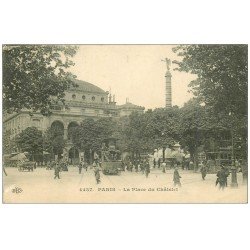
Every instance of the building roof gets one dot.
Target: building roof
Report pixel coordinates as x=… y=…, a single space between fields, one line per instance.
x=86 y=87
x=130 y=105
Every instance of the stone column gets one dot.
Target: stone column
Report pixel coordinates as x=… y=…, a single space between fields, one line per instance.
x=168 y=90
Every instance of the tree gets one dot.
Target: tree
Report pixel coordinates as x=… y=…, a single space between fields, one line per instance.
x=53 y=140
x=221 y=85
x=163 y=126
x=9 y=144
x=35 y=76
x=191 y=132
x=154 y=129
x=222 y=75
x=91 y=134
x=30 y=140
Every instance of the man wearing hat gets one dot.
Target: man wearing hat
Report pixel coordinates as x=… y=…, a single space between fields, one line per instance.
x=57 y=170
x=177 y=177
x=97 y=174
x=147 y=168
x=203 y=170
x=222 y=177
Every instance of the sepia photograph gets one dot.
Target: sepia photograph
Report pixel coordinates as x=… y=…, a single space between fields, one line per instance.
x=156 y=123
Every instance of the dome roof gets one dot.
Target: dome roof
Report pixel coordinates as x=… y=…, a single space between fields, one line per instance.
x=86 y=87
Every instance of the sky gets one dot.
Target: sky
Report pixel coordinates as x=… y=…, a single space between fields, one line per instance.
x=132 y=71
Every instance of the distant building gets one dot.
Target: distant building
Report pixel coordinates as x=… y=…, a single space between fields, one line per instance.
x=127 y=108
x=84 y=101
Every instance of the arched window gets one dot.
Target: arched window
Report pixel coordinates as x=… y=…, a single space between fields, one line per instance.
x=73 y=96
x=83 y=97
x=93 y=98
x=102 y=99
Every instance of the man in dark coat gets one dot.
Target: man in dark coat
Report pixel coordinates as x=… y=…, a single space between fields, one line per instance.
x=147 y=168
x=164 y=165
x=203 y=170
x=97 y=174
x=159 y=163
x=142 y=167
x=177 y=177
x=80 y=166
x=122 y=166
x=222 y=177
x=57 y=170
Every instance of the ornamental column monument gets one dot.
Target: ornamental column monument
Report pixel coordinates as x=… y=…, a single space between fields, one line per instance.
x=168 y=93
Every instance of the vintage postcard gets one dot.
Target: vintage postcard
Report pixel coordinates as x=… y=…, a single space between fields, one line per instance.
x=125 y=123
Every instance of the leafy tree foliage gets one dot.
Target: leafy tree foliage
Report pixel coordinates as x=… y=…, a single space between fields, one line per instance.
x=221 y=85
x=9 y=145
x=138 y=133
x=35 y=76
x=91 y=134
x=144 y=132
x=30 y=140
x=221 y=75
x=202 y=127
x=53 y=140
x=192 y=121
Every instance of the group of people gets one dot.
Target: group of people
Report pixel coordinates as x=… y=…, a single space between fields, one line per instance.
x=58 y=166
x=222 y=175
x=173 y=163
x=137 y=165
x=143 y=166
x=96 y=167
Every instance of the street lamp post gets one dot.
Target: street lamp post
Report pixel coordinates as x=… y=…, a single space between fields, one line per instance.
x=234 y=183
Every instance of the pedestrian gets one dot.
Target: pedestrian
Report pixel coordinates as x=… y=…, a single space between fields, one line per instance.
x=97 y=174
x=222 y=177
x=164 y=166
x=237 y=165
x=159 y=163
x=226 y=172
x=122 y=166
x=177 y=177
x=191 y=165
x=130 y=166
x=203 y=170
x=172 y=164
x=142 y=167
x=4 y=171
x=57 y=170
x=85 y=165
x=63 y=165
x=147 y=168
x=136 y=167
x=80 y=166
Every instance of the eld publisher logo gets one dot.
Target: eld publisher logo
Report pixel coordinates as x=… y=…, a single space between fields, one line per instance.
x=17 y=190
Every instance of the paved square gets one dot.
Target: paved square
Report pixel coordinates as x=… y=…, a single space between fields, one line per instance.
x=129 y=187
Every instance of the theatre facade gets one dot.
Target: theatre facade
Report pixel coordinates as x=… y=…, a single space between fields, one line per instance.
x=84 y=101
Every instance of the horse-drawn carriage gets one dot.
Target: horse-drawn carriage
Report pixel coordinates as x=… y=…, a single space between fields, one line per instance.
x=111 y=158
x=111 y=167
x=26 y=166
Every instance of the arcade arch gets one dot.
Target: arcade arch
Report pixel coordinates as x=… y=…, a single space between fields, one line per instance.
x=71 y=125
x=58 y=127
